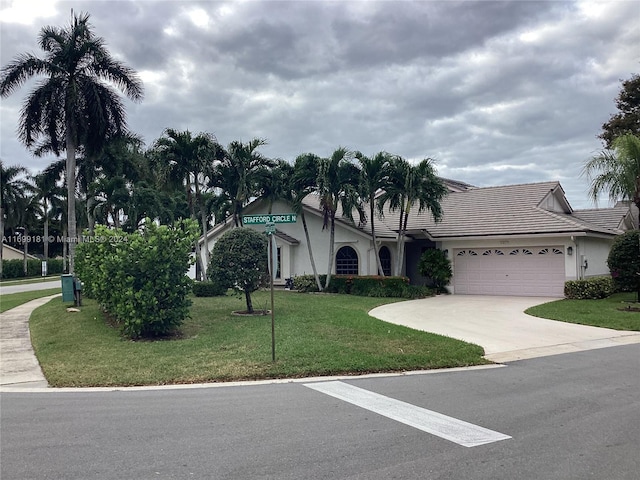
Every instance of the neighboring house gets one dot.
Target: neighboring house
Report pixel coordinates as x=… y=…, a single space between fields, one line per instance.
x=10 y=253
x=507 y=240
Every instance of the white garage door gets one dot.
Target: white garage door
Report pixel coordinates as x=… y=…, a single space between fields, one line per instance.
x=526 y=271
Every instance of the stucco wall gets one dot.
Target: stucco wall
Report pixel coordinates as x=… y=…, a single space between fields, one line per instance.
x=595 y=251
x=295 y=258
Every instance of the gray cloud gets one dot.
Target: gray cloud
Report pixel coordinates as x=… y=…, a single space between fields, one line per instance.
x=497 y=92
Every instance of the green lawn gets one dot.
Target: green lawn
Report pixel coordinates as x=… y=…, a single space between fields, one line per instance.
x=599 y=313
x=315 y=335
x=12 y=300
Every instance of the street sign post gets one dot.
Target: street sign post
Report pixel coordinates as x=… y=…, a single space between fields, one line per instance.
x=269 y=221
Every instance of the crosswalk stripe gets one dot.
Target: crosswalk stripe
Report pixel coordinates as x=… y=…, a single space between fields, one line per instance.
x=449 y=428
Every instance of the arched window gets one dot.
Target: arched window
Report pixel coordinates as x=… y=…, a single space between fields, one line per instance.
x=385 y=260
x=346 y=261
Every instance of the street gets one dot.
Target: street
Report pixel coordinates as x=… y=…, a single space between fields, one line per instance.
x=572 y=416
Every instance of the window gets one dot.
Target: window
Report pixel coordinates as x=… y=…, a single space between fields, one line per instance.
x=346 y=261
x=385 y=260
x=279 y=263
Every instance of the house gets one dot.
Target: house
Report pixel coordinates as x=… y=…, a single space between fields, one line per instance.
x=11 y=253
x=507 y=240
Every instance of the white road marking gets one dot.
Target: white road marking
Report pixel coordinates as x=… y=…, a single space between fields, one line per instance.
x=449 y=428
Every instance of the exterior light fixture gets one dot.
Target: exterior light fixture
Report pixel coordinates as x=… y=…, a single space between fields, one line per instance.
x=569 y=250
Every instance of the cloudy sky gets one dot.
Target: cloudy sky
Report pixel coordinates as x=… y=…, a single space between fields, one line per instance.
x=496 y=92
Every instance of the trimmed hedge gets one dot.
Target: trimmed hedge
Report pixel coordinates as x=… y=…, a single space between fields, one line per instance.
x=208 y=289
x=365 y=286
x=140 y=278
x=15 y=268
x=624 y=261
x=589 y=288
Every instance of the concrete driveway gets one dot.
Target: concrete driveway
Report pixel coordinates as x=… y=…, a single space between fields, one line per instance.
x=500 y=326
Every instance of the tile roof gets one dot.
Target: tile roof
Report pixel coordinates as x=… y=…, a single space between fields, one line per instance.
x=610 y=218
x=502 y=210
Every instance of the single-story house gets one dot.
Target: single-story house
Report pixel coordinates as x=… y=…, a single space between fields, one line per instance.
x=11 y=253
x=506 y=240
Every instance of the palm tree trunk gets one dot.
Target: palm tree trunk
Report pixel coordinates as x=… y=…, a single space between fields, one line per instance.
x=46 y=231
x=91 y=219
x=203 y=217
x=313 y=262
x=65 y=249
x=25 y=248
x=399 y=243
x=331 y=249
x=373 y=234
x=71 y=194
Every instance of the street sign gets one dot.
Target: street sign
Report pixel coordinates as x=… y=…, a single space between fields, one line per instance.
x=270 y=228
x=269 y=218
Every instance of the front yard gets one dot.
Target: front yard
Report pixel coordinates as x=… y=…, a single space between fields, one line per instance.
x=608 y=313
x=315 y=335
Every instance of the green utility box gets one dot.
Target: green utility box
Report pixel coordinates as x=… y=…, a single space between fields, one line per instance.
x=68 y=293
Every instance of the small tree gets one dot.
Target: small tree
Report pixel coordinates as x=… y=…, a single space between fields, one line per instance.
x=624 y=262
x=239 y=260
x=435 y=265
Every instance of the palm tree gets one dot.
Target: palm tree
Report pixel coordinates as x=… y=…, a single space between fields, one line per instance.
x=74 y=106
x=616 y=171
x=46 y=189
x=374 y=177
x=408 y=185
x=239 y=174
x=303 y=182
x=13 y=188
x=337 y=187
x=273 y=182
x=188 y=161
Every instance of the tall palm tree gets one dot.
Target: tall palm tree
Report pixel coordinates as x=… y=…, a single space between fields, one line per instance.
x=616 y=171
x=273 y=182
x=410 y=184
x=374 y=178
x=239 y=174
x=303 y=182
x=13 y=188
x=188 y=161
x=337 y=187
x=74 y=105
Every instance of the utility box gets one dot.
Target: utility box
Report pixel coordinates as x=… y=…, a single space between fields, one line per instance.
x=68 y=288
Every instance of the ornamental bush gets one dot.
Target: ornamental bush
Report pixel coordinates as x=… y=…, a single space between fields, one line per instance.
x=239 y=261
x=589 y=288
x=208 y=289
x=140 y=278
x=15 y=268
x=624 y=261
x=435 y=265
x=366 y=286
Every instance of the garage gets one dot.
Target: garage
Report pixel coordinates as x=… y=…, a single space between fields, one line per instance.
x=520 y=271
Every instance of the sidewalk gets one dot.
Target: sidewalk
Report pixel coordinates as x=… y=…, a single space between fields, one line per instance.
x=18 y=364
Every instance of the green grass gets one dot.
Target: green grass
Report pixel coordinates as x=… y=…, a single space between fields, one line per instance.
x=315 y=335
x=12 y=300
x=598 y=313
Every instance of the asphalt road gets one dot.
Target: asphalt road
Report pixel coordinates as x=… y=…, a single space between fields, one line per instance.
x=573 y=416
x=28 y=287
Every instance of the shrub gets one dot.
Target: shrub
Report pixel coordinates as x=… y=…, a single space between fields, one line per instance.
x=140 y=279
x=624 y=261
x=15 y=268
x=208 y=289
x=589 y=288
x=307 y=283
x=239 y=260
x=366 y=286
x=435 y=265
